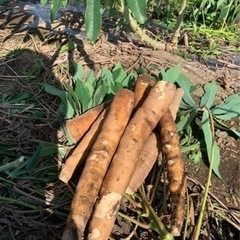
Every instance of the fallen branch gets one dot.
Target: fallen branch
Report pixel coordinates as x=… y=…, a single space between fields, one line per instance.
x=97 y=164
x=125 y=159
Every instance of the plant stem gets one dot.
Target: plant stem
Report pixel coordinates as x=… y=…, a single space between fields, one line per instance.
x=179 y=23
x=204 y=201
x=126 y=12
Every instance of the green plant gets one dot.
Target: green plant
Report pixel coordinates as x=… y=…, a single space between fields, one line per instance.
x=90 y=92
x=192 y=114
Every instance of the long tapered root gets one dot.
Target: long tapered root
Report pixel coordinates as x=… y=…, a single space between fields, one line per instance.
x=175 y=170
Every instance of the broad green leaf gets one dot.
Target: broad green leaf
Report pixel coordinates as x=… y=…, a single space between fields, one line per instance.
x=118 y=73
x=91 y=79
x=209 y=96
x=185 y=84
x=93 y=20
x=172 y=74
x=223 y=126
x=186 y=120
x=54 y=8
x=73 y=99
x=129 y=81
x=229 y=109
x=107 y=80
x=83 y=94
x=139 y=9
x=209 y=141
x=78 y=72
x=99 y=95
x=65 y=109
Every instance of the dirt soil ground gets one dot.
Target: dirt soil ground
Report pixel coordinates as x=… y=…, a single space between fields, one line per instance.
x=21 y=48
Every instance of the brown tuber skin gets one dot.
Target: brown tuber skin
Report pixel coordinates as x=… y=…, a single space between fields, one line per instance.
x=175 y=169
x=149 y=154
x=125 y=159
x=151 y=150
x=76 y=128
x=82 y=150
x=97 y=164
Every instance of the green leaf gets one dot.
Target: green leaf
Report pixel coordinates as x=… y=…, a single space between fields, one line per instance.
x=186 y=120
x=118 y=73
x=65 y=109
x=54 y=8
x=172 y=74
x=185 y=84
x=107 y=80
x=68 y=47
x=139 y=9
x=93 y=20
x=209 y=96
x=129 y=81
x=44 y=149
x=99 y=95
x=223 y=126
x=78 y=72
x=83 y=94
x=73 y=100
x=43 y=2
x=229 y=109
x=91 y=79
x=209 y=141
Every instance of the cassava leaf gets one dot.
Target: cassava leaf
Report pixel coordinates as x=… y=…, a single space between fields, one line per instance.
x=118 y=73
x=223 y=126
x=139 y=9
x=99 y=95
x=91 y=80
x=65 y=109
x=83 y=94
x=78 y=72
x=186 y=120
x=107 y=80
x=209 y=96
x=172 y=74
x=185 y=84
x=93 y=20
x=73 y=99
x=129 y=81
x=54 y=8
x=210 y=143
x=229 y=109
